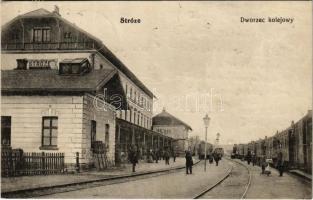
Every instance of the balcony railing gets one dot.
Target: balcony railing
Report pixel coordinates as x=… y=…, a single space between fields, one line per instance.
x=49 y=46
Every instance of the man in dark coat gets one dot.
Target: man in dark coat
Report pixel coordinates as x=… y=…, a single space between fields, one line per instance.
x=174 y=155
x=216 y=157
x=263 y=164
x=167 y=157
x=210 y=158
x=157 y=155
x=189 y=162
x=249 y=157
x=280 y=163
x=133 y=157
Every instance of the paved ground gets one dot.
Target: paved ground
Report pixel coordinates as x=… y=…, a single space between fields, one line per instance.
x=175 y=185
x=27 y=182
x=273 y=186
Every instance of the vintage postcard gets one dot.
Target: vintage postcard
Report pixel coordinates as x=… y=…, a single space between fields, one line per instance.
x=156 y=99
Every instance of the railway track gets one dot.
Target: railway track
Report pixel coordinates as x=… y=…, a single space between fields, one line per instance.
x=206 y=191
x=42 y=191
x=249 y=180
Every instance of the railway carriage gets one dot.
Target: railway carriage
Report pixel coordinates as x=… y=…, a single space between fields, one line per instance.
x=259 y=150
x=245 y=147
x=241 y=151
x=295 y=144
x=201 y=149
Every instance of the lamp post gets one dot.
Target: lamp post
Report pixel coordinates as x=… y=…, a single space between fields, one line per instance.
x=206 y=121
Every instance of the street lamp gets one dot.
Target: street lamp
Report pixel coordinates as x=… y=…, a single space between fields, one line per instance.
x=206 y=121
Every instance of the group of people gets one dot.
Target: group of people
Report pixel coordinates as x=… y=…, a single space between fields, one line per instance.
x=152 y=155
x=156 y=155
x=189 y=161
x=265 y=164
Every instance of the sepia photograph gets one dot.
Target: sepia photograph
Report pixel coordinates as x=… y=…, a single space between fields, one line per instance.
x=156 y=99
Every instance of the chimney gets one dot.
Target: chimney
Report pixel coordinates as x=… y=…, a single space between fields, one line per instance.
x=56 y=10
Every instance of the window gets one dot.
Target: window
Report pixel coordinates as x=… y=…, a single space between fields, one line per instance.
x=67 y=35
x=141 y=123
x=93 y=132
x=41 y=35
x=6 y=130
x=135 y=114
x=135 y=97
x=49 y=131
x=130 y=114
x=138 y=118
x=131 y=93
x=126 y=90
x=107 y=134
x=15 y=35
x=74 y=67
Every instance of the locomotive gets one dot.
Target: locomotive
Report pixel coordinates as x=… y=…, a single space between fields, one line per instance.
x=294 y=142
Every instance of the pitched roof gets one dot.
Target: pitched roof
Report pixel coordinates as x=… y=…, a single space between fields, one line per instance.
x=51 y=81
x=38 y=13
x=102 y=49
x=165 y=118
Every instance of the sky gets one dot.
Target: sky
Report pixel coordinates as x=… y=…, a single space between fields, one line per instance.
x=197 y=57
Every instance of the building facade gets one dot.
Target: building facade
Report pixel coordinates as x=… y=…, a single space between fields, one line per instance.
x=47 y=38
x=63 y=89
x=170 y=126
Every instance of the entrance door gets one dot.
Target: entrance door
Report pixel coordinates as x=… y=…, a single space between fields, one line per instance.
x=5 y=131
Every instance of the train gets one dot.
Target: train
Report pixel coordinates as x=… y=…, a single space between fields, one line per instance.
x=294 y=143
x=201 y=149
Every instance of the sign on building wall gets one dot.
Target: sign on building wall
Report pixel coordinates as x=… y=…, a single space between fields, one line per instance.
x=42 y=63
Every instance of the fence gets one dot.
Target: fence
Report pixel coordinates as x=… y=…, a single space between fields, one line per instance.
x=19 y=163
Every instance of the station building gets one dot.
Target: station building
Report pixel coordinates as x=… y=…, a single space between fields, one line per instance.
x=170 y=126
x=63 y=89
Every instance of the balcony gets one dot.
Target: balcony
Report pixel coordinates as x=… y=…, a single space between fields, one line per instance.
x=49 y=46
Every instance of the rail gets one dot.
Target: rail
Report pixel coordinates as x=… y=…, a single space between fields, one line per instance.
x=249 y=180
x=216 y=184
x=224 y=178
x=49 y=46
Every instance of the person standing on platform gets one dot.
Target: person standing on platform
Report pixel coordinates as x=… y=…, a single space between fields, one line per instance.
x=174 y=155
x=280 y=164
x=249 y=157
x=167 y=157
x=133 y=157
x=216 y=157
x=189 y=162
x=157 y=155
x=263 y=164
x=253 y=158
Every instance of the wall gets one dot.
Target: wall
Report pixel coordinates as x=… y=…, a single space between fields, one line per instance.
x=102 y=113
x=176 y=132
x=26 y=122
x=134 y=104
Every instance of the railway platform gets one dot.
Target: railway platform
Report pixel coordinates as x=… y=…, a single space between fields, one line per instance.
x=273 y=186
x=301 y=174
x=14 y=184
